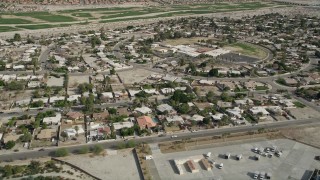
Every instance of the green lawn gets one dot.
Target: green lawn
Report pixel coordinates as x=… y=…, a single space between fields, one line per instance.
x=7 y=29
x=299 y=104
x=46 y=16
x=261 y=88
x=14 y=21
x=43 y=26
x=81 y=15
x=247 y=49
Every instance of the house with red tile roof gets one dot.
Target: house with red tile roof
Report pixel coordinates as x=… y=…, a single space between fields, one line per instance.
x=145 y=122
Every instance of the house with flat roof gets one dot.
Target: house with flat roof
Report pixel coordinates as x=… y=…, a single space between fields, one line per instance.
x=120 y=125
x=166 y=107
x=143 y=110
x=175 y=119
x=53 y=120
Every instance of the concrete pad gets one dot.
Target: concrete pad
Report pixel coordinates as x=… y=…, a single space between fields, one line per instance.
x=295 y=161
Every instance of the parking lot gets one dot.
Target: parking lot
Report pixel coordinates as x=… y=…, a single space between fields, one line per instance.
x=296 y=161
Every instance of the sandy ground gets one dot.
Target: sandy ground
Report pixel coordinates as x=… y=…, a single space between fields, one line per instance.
x=53 y=81
x=74 y=81
x=304 y=113
x=134 y=75
x=119 y=165
x=309 y=135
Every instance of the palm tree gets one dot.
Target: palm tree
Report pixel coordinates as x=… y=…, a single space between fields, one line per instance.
x=77 y=129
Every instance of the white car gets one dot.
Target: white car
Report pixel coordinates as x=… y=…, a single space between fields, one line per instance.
x=174 y=136
x=220 y=166
x=256 y=175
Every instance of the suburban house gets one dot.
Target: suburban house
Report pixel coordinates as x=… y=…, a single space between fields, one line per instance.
x=259 y=111
x=100 y=116
x=73 y=115
x=175 y=119
x=146 y=122
x=143 y=110
x=166 y=108
x=52 y=120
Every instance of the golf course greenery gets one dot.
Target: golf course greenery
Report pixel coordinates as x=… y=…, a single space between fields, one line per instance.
x=43 y=20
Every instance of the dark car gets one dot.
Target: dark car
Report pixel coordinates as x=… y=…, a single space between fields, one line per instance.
x=317 y=158
x=41 y=149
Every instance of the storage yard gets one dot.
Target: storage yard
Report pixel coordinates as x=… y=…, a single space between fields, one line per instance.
x=278 y=159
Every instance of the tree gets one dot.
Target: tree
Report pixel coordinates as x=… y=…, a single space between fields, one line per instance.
x=206 y=120
x=10 y=144
x=7 y=171
x=112 y=111
x=317 y=53
x=112 y=71
x=64 y=135
x=17 y=37
x=26 y=137
x=77 y=129
x=34 y=167
x=213 y=72
x=89 y=104
x=97 y=149
x=62 y=152
x=83 y=150
x=183 y=108
x=2 y=66
x=131 y=144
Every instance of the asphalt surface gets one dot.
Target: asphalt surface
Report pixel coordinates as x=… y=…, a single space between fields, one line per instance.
x=112 y=144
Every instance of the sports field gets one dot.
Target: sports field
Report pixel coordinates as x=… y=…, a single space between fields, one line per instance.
x=42 y=20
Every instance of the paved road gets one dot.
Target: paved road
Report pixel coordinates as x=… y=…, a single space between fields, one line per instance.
x=33 y=154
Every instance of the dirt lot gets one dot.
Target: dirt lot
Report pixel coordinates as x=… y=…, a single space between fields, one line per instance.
x=184 y=41
x=308 y=135
x=134 y=75
x=115 y=165
x=186 y=144
x=304 y=113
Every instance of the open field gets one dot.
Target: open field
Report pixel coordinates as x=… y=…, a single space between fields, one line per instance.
x=114 y=165
x=185 y=41
x=296 y=161
x=247 y=50
x=13 y=21
x=119 y=14
x=7 y=29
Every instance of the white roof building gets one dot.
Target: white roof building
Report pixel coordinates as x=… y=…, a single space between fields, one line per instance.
x=34 y=84
x=175 y=119
x=259 y=109
x=52 y=120
x=167 y=90
x=143 y=110
x=70 y=132
x=206 y=82
x=217 y=117
x=244 y=101
x=236 y=112
x=197 y=117
x=107 y=94
x=164 y=107
x=120 y=125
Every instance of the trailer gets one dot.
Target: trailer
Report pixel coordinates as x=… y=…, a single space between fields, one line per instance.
x=208 y=154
